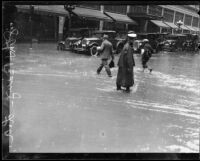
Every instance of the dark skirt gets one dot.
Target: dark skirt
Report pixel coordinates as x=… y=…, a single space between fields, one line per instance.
x=125 y=78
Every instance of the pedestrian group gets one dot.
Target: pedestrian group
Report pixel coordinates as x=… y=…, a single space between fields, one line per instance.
x=126 y=62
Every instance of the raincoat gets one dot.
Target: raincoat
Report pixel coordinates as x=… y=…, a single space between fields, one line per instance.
x=125 y=75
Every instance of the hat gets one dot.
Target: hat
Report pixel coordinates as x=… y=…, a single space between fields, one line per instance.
x=145 y=40
x=105 y=36
x=132 y=34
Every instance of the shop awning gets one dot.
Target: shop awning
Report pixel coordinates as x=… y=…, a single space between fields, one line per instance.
x=121 y=18
x=172 y=25
x=50 y=9
x=196 y=28
x=159 y=23
x=190 y=28
x=184 y=27
x=91 y=14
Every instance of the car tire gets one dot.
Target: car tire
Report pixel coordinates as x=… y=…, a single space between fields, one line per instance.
x=93 y=51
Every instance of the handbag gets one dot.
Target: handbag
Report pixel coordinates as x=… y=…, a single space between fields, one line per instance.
x=111 y=64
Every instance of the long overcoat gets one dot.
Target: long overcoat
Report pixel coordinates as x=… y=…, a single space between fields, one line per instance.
x=125 y=75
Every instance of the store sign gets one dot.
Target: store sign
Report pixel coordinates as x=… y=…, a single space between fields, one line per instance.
x=61 y=24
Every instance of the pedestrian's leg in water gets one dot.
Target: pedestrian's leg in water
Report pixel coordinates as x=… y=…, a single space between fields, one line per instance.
x=100 y=68
x=118 y=87
x=127 y=89
x=105 y=62
x=144 y=65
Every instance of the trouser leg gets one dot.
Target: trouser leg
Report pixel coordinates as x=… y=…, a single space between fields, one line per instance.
x=108 y=70
x=105 y=64
x=100 y=68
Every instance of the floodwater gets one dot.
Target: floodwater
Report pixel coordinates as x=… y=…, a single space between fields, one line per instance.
x=61 y=105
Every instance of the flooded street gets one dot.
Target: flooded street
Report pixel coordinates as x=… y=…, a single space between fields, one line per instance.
x=62 y=105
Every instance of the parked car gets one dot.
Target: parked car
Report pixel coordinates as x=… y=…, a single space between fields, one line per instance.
x=90 y=44
x=191 y=43
x=174 y=42
x=169 y=45
x=74 y=36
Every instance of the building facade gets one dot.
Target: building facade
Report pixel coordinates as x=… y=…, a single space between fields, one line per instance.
x=52 y=22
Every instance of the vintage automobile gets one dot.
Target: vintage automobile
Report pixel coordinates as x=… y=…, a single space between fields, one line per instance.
x=73 y=36
x=174 y=42
x=169 y=45
x=191 y=43
x=90 y=44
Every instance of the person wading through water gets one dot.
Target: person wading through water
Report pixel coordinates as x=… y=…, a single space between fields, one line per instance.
x=146 y=52
x=125 y=75
x=106 y=50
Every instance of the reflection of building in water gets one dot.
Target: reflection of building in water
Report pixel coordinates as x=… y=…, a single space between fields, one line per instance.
x=51 y=22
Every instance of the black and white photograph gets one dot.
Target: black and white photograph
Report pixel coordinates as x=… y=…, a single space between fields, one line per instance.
x=100 y=77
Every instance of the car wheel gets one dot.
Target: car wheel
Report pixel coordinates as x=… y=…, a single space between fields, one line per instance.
x=93 y=51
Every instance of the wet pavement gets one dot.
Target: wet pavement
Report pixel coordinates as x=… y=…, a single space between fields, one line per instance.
x=62 y=105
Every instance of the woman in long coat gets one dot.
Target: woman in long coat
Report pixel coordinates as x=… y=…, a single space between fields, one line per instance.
x=125 y=75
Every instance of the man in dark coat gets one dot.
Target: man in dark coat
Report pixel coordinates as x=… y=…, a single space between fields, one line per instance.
x=106 y=50
x=125 y=77
x=146 y=52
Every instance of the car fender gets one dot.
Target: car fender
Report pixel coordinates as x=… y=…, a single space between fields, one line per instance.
x=92 y=44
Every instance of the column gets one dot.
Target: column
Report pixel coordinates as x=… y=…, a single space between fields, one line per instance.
x=146 y=25
x=183 y=21
x=174 y=21
x=146 y=21
x=55 y=28
x=192 y=23
x=101 y=21
x=127 y=11
x=160 y=29
x=147 y=9
x=61 y=25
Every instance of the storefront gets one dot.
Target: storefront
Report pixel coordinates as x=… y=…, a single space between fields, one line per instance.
x=42 y=25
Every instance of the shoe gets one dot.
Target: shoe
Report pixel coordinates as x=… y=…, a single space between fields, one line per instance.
x=127 y=89
x=150 y=70
x=98 y=73
x=110 y=75
x=119 y=88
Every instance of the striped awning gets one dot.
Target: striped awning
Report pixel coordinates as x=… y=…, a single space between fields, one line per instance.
x=159 y=23
x=121 y=18
x=172 y=25
x=44 y=9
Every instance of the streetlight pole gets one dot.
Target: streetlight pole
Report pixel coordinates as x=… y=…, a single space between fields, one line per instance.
x=179 y=23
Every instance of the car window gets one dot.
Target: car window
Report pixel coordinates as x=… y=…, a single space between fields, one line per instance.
x=97 y=35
